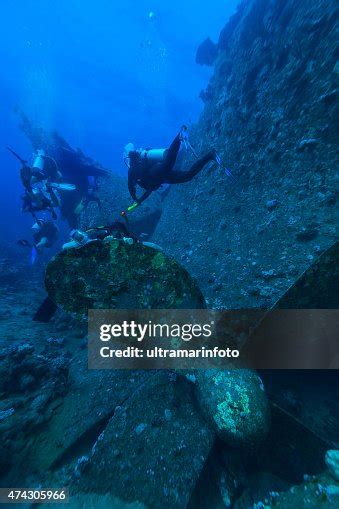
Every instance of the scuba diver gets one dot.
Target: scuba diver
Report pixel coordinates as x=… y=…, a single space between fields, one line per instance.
x=41 y=197
x=91 y=195
x=150 y=168
x=116 y=230
x=38 y=172
x=45 y=234
x=40 y=192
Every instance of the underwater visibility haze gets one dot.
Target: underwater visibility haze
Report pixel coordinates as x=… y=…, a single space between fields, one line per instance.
x=169 y=163
x=101 y=75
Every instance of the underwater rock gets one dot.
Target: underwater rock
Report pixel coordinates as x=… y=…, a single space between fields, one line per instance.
x=93 y=501
x=6 y=413
x=80 y=465
x=206 y=53
x=31 y=385
x=332 y=462
x=260 y=488
x=22 y=369
x=261 y=104
x=313 y=493
x=13 y=266
x=329 y=98
x=56 y=341
x=307 y=233
x=114 y=274
x=316 y=288
x=329 y=198
x=272 y=204
x=307 y=144
x=235 y=404
x=90 y=402
x=144 y=456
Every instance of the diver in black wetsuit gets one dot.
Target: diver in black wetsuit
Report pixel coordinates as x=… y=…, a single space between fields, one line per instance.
x=89 y=195
x=45 y=234
x=32 y=205
x=151 y=172
x=117 y=230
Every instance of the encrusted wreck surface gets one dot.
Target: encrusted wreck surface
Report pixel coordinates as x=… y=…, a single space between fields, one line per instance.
x=270 y=109
x=113 y=274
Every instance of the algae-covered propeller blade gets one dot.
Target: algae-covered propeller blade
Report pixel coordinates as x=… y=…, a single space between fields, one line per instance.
x=118 y=275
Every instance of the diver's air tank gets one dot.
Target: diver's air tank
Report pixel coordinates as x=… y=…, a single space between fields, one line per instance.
x=156 y=155
x=39 y=161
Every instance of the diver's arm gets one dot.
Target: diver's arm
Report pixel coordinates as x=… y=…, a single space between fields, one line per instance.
x=132 y=186
x=144 y=196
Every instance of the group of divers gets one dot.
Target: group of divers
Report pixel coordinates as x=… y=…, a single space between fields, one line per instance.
x=149 y=169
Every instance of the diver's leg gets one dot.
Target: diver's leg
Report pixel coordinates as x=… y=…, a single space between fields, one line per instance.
x=43 y=243
x=54 y=198
x=154 y=246
x=52 y=212
x=70 y=245
x=172 y=153
x=33 y=212
x=180 y=177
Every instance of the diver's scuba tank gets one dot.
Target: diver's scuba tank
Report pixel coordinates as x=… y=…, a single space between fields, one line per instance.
x=154 y=155
x=39 y=161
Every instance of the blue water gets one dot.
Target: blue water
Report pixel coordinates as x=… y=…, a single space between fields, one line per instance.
x=100 y=73
x=103 y=73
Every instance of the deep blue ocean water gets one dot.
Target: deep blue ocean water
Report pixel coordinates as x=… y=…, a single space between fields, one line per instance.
x=100 y=73
x=103 y=74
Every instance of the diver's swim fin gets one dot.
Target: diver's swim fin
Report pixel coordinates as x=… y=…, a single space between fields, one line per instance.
x=34 y=254
x=219 y=162
x=34 y=251
x=62 y=186
x=46 y=311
